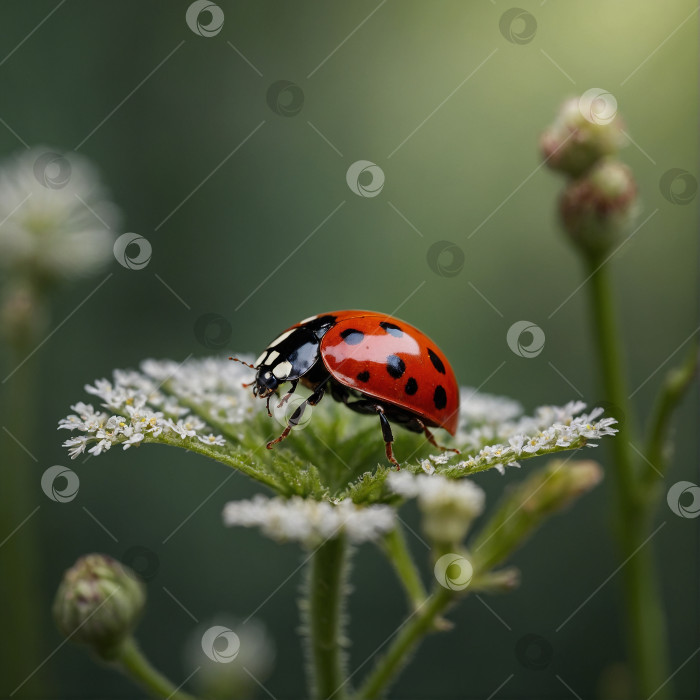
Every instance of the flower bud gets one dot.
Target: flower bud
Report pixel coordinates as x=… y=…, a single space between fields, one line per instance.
x=448 y=505
x=98 y=603
x=597 y=209
x=581 y=135
x=448 y=508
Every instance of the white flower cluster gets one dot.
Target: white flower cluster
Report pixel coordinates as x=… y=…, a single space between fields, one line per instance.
x=56 y=216
x=551 y=428
x=448 y=506
x=308 y=521
x=159 y=400
x=201 y=400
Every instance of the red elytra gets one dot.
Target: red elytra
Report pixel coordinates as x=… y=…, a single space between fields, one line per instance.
x=371 y=362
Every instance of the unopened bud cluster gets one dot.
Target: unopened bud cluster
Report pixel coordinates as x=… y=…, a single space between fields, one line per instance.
x=600 y=199
x=99 y=603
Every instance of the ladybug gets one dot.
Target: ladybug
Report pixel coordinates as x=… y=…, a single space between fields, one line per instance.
x=371 y=362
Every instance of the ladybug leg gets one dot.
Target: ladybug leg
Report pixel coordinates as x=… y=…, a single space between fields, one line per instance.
x=431 y=438
x=387 y=435
x=287 y=396
x=296 y=417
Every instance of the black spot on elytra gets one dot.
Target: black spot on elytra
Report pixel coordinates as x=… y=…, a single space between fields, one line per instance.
x=363 y=376
x=437 y=362
x=391 y=329
x=395 y=366
x=352 y=336
x=411 y=386
x=440 y=397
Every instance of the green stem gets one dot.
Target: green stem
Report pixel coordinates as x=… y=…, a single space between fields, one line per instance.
x=646 y=627
x=135 y=665
x=396 y=549
x=326 y=594
x=409 y=635
x=672 y=392
x=20 y=475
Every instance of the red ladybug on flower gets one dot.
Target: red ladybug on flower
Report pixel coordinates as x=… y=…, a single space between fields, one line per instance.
x=371 y=362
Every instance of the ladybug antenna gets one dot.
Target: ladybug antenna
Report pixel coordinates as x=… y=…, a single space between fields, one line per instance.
x=247 y=364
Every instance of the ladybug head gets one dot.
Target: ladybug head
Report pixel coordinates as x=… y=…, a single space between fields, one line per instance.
x=265 y=383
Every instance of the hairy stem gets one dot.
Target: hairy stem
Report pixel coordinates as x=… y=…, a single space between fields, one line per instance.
x=396 y=549
x=326 y=593
x=646 y=625
x=135 y=665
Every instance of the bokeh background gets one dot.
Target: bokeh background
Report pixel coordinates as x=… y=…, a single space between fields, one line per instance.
x=236 y=234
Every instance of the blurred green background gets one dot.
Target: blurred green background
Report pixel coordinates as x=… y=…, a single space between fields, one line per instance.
x=471 y=162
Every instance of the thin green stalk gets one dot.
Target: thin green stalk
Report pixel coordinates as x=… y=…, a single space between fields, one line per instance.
x=19 y=555
x=396 y=549
x=405 y=641
x=675 y=385
x=325 y=611
x=135 y=665
x=646 y=625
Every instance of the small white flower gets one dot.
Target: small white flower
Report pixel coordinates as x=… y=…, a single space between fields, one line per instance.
x=427 y=466
x=517 y=442
x=102 y=446
x=135 y=439
x=308 y=521
x=212 y=439
x=76 y=445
